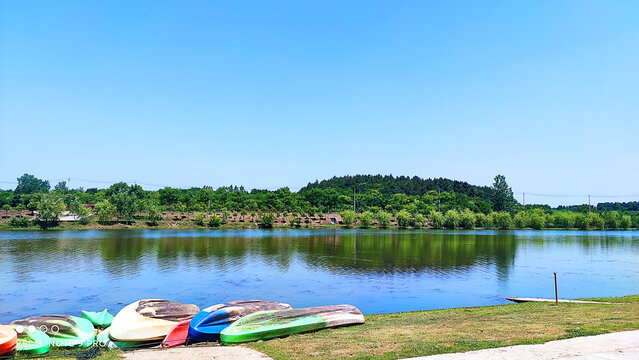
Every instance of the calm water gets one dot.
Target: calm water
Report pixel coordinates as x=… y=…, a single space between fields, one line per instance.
x=378 y=271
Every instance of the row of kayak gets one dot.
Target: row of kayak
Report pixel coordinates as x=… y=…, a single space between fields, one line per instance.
x=153 y=322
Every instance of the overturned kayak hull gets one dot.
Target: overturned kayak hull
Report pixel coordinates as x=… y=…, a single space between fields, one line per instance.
x=209 y=323
x=8 y=339
x=104 y=340
x=63 y=330
x=31 y=341
x=177 y=336
x=98 y=318
x=150 y=319
x=271 y=324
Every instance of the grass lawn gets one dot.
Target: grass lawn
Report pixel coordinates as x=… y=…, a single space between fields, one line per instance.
x=397 y=335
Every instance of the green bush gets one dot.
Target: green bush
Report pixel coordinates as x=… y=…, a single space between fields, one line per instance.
x=451 y=219
x=200 y=219
x=266 y=221
x=580 y=221
x=521 y=220
x=537 y=219
x=595 y=221
x=348 y=217
x=419 y=221
x=215 y=221
x=383 y=219
x=403 y=219
x=366 y=219
x=502 y=220
x=105 y=211
x=483 y=221
x=467 y=219
x=635 y=221
x=295 y=222
x=564 y=219
x=436 y=220
x=154 y=215
x=611 y=220
x=19 y=222
x=625 y=222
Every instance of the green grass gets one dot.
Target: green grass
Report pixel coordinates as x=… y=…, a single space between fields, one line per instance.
x=398 y=335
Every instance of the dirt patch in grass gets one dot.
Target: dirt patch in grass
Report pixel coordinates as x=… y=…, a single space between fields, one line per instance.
x=392 y=336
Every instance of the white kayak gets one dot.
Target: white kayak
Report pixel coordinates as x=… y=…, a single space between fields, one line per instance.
x=149 y=319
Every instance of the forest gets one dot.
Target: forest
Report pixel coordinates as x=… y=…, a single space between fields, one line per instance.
x=363 y=200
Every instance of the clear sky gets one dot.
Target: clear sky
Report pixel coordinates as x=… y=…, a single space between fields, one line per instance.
x=278 y=93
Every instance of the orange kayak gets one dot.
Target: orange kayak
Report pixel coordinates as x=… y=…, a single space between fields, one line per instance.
x=8 y=339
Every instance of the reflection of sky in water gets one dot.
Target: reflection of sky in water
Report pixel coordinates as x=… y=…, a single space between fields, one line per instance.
x=68 y=271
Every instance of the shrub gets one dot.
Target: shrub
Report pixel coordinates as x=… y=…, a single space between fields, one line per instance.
x=581 y=222
x=635 y=221
x=19 y=222
x=537 y=219
x=625 y=222
x=595 y=221
x=403 y=219
x=105 y=211
x=215 y=221
x=266 y=221
x=200 y=219
x=451 y=219
x=611 y=220
x=564 y=219
x=436 y=219
x=154 y=215
x=366 y=219
x=467 y=219
x=484 y=221
x=296 y=222
x=383 y=218
x=420 y=220
x=348 y=217
x=501 y=219
x=521 y=220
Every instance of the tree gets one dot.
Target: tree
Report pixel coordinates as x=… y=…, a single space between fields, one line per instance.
x=502 y=198
x=266 y=221
x=366 y=219
x=625 y=222
x=484 y=221
x=467 y=219
x=521 y=220
x=105 y=211
x=501 y=219
x=383 y=219
x=49 y=208
x=451 y=219
x=420 y=220
x=154 y=215
x=125 y=202
x=437 y=219
x=200 y=219
x=595 y=221
x=581 y=222
x=403 y=219
x=348 y=217
x=537 y=219
x=61 y=187
x=29 y=184
x=215 y=221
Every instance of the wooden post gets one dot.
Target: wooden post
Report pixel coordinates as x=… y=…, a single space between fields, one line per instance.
x=556 y=297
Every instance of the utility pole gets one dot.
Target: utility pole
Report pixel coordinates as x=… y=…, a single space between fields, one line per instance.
x=439 y=201
x=588 y=204
x=353 y=199
x=524 y=200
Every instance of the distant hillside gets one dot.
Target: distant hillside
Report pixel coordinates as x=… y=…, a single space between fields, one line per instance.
x=389 y=184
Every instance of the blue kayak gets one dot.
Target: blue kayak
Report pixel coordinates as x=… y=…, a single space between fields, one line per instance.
x=209 y=323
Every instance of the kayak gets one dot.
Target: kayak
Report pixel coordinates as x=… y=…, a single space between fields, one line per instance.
x=270 y=324
x=8 y=339
x=177 y=336
x=98 y=318
x=31 y=341
x=209 y=323
x=149 y=319
x=104 y=340
x=64 y=330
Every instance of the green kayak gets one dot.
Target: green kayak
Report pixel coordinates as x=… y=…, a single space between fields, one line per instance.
x=98 y=318
x=270 y=324
x=64 y=330
x=31 y=341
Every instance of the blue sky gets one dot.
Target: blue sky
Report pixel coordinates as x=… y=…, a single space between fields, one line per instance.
x=278 y=93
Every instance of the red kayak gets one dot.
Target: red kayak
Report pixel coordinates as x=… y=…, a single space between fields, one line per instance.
x=9 y=339
x=177 y=336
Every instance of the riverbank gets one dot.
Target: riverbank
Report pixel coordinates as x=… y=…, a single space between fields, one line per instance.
x=422 y=333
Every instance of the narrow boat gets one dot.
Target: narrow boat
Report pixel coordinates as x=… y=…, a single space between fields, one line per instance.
x=209 y=323
x=64 y=330
x=104 y=340
x=177 y=336
x=8 y=339
x=270 y=324
x=149 y=319
x=31 y=340
x=98 y=318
